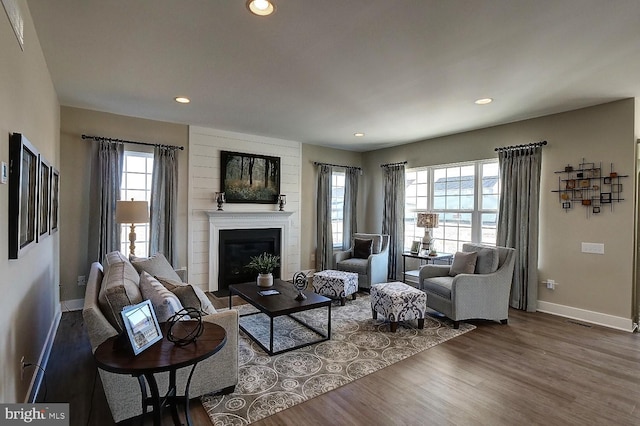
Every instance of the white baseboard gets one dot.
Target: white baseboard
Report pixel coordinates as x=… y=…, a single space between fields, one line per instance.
x=71 y=305
x=598 y=318
x=36 y=378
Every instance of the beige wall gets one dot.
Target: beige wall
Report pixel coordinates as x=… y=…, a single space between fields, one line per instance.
x=311 y=153
x=75 y=171
x=29 y=305
x=597 y=283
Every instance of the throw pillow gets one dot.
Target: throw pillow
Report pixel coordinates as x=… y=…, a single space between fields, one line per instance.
x=487 y=261
x=190 y=296
x=119 y=288
x=377 y=241
x=463 y=263
x=164 y=302
x=156 y=265
x=362 y=248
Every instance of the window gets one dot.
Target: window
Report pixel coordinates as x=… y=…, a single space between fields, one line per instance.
x=337 y=207
x=136 y=183
x=464 y=195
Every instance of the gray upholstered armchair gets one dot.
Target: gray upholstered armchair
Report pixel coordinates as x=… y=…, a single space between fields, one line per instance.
x=373 y=268
x=483 y=294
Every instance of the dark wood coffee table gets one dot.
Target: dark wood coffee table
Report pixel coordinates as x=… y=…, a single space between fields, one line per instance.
x=115 y=356
x=278 y=305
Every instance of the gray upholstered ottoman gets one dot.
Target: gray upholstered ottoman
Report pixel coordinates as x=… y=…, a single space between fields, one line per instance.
x=336 y=284
x=398 y=302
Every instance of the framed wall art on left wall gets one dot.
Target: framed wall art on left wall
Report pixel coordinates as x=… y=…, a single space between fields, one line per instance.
x=23 y=194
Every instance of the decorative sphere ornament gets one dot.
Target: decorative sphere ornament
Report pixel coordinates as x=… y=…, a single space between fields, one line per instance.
x=300 y=283
x=185 y=326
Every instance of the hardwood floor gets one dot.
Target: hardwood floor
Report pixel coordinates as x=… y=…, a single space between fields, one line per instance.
x=538 y=369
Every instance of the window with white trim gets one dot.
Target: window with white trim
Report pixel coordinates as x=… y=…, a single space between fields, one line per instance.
x=464 y=195
x=337 y=206
x=137 y=170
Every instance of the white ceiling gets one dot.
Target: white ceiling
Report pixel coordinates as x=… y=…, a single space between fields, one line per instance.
x=318 y=71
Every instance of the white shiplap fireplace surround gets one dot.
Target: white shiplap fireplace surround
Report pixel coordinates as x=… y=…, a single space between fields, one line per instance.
x=221 y=220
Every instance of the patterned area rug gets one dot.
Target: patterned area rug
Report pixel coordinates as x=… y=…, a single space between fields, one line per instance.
x=359 y=346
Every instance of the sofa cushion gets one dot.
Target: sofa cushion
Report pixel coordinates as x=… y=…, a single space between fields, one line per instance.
x=463 y=263
x=377 y=241
x=487 y=261
x=119 y=288
x=353 y=265
x=190 y=296
x=113 y=258
x=362 y=248
x=156 y=265
x=164 y=302
x=440 y=286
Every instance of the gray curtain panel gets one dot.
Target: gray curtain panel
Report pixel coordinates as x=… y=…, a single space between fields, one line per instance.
x=349 y=225
x=393 y=213
x=324 y=238
x=518 y=220
x=105 y=186
x=164 y=203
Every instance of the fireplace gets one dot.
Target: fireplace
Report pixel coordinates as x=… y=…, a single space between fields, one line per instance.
x=237 y=246
x=251 y=221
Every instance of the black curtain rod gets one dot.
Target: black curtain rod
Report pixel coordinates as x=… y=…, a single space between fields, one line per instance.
x=528 y=145
x=102 y=138
x=317 y=163
x=393 y=164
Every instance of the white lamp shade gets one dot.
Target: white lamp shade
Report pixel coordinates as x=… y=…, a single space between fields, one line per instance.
x=132 y=212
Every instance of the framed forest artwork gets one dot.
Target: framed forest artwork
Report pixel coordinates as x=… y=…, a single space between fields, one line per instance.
x=23 y=194
x=249 y=178
x=55 y=194
x=44 y=198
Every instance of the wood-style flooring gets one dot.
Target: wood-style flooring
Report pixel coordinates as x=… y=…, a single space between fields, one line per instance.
x=539 y=369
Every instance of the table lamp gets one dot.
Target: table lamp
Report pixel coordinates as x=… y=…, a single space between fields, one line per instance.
x=132 y=212
x=428 y=221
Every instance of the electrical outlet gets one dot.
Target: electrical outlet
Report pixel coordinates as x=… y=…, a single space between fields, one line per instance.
x=82 y=280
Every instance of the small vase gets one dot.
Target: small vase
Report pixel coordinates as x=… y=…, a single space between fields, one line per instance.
x=265 y=280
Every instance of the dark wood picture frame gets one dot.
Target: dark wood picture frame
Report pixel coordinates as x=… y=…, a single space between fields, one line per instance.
x=44 y=198
x=23 y=194
x=55 y=200
x=249 y=178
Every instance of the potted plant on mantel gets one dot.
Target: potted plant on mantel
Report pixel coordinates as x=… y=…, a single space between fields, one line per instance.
x=264 y=264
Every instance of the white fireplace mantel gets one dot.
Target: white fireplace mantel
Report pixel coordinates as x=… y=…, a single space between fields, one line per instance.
x=223 y=220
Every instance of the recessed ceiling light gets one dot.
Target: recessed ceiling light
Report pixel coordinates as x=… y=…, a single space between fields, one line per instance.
x=261 y=7
x=484 y=101
x=182 y=100
x=358 y=134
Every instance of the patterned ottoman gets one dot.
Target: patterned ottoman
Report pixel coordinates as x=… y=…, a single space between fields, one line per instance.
x=398 y=302
x=336 y=284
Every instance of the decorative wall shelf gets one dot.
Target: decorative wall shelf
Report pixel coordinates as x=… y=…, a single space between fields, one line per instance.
x=589 y=186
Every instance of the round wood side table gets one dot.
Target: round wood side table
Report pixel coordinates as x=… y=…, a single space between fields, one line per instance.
x=113 y=356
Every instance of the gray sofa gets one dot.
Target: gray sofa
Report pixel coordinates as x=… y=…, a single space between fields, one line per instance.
x=370 y=270
x=483 y=294
x=218 y=373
